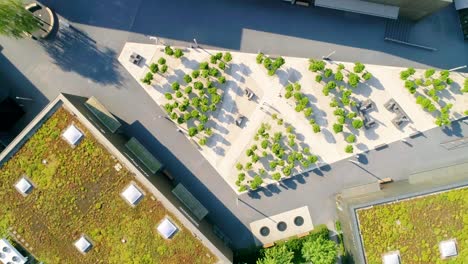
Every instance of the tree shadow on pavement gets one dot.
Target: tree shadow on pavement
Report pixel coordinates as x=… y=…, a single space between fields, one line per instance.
x=74 y=51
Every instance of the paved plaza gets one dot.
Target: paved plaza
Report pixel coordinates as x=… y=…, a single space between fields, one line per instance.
x=78 y=67
x=229 y=143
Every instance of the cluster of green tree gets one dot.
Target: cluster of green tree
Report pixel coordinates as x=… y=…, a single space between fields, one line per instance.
x=281 y=152
x=315 y=248
x=427 y=88
x=171 y=52
x=195 y=101
x=271 y=65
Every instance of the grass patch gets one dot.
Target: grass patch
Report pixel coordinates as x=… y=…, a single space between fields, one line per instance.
x=78 y=191
x=415 y=227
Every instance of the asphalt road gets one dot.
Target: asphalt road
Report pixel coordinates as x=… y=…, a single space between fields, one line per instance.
x=82 y=61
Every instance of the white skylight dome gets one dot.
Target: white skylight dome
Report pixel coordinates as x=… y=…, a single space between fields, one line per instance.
x=132 y=194
x=166 y=228
x=391 y=258
x=83 y=245
x=24 y=186
x=72 y=135
x=448 y=248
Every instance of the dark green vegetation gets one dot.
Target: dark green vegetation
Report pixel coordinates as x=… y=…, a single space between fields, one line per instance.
x=15 y=20
x=315 y=247
x=415 y=227
x=429 y=89
x=78 y=191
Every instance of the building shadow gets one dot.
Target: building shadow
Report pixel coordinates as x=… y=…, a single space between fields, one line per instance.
x=73 y=50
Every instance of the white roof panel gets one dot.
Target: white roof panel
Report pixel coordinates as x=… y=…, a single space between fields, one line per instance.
x=23 y=185
x=448 y=248
x=132 y=194
x=391 y=258
x=72 y=135
x=166 y=228
x=82 y=244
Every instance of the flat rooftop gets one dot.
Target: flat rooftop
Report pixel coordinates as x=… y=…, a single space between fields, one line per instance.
x=415 y=227
x=77 y=190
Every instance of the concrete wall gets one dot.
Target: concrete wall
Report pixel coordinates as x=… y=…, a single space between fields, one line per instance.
x=415 y=9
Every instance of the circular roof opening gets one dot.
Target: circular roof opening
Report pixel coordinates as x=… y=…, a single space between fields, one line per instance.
x=281 y=226
x=298 y=220
x=264 y=231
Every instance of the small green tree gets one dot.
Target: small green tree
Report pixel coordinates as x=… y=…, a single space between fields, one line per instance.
x=195 y=74
x=162 y=61
x=227 y=57
x=178 y=53
x=349 y=149
x=164 y=68
x=318 y=78
x=358 y=67
x=277 y=255
x=15 y=20
x=351 y=138
x=187 y=78
x=357 y=123
x=154 y=68
x=319 y=251
x=148 y=78
x=316 y=128
x=337 y=128
x=193 y=131
x=256 y=182
x=168 y=50
x=222 y=65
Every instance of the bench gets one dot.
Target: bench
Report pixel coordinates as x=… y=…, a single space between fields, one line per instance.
x=385 y=180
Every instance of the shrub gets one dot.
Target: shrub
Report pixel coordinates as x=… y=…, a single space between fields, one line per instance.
x=265 y=144
x=276 y=176
x=154 y=68
x=198 y=85
x=178 y=94
x=242 y=188
x=249 y=152
x=339 y=76
x=187 y=78
x=351 y=138
x=351 y=115
x=193 y=131
x=339 y=112
x=256 y=182
x=204 y=66
x=353 y=80
x=308 y=111
x=213 y=59
x=358 y=67
x=318 y=78
x=222 y=79
x=227 y=57
x=465 y=86
x=195 y=114
x=178 y=53
x=203 y=119
x=341 y=120
x=429 y=72
x=248 y=165
x=312 y=159
x=202 y=141
x=337 y=128
x=188 y=89
x=357 y=123
x=239 y=166
x=222 y=65
x=162 y=61
x=316 y=128
x=168 y=50
x=316 y=66
x=195 y=74
x=168 y=96
x=164 y=68
x=366 y=76
x=349 y=149
x=175 y=86
x=328 y=73
x=148 y=78
x=410 y=85
x=259 y=58
x=320 y=250
x=330 y=85
x=287 y=171
x=297 y=86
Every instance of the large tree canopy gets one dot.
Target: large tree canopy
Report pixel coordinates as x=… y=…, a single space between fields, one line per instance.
x=277 y=255
x=15 y=19
x=319 y=251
